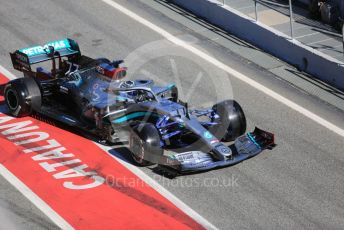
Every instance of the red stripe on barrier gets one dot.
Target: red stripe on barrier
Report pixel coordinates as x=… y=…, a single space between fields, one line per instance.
x=81 y=182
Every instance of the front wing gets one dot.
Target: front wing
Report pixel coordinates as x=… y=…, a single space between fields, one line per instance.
x=244 y=147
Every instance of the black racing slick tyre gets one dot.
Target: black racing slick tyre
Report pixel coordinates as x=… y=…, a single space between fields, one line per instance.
x=22 y=96
x=144 y=143
x=231 y=120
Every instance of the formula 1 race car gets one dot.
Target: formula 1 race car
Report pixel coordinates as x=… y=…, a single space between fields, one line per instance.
x=91 y=95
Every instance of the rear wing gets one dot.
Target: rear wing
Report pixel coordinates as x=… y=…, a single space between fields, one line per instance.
x=24 y=58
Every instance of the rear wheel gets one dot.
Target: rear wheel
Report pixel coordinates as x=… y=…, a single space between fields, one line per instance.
x=231 y=120
x=144 y=142
x=22 y=96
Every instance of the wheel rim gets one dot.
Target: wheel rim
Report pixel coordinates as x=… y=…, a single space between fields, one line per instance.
x=139 y=158
x=12 y=99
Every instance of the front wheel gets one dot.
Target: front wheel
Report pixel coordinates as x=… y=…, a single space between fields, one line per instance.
x=231 y=120
x=144 y=143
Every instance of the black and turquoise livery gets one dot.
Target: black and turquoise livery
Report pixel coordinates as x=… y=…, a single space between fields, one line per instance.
x=91 y=95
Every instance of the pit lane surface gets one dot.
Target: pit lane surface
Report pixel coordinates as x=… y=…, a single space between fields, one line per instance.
x=297 y=185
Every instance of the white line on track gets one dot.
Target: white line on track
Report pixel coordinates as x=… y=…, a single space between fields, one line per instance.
x=228 y=69
x=32 y=197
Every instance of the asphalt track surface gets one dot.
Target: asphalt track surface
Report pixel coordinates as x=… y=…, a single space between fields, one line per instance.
x=297 y=185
